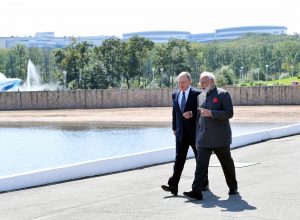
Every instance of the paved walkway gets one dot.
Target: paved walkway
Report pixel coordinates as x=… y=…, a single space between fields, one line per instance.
x=269 y=189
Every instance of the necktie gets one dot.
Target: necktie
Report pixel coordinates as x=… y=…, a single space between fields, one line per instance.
x=183 y=101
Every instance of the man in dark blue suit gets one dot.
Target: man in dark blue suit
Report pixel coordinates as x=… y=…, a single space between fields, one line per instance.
x=184 y=127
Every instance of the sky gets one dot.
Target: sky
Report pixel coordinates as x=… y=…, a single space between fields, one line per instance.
x=116 y=17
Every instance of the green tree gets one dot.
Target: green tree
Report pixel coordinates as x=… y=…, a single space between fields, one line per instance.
x=112 y=53
x=178 y=52
x=3 y=60
x=195 y=63
x=225 y=76
x=73 y=60
x=10 y=65
x=138 y=48
x=159 y=62
x=95 y=75
x=17 y=62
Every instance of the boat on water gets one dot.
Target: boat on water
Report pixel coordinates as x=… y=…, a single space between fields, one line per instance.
x=9 y=84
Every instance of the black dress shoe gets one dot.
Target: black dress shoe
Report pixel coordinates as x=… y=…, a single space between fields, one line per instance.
x=171 y=189
x=233 y=191
x=194 y=195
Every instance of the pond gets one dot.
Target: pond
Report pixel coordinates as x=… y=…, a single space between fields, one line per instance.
x=26 y=149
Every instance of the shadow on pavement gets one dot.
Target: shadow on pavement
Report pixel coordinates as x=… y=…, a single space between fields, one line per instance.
x=234 y=203
x=172 y=196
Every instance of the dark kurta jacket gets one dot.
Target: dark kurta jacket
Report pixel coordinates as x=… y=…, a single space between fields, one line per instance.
x=214 y=131
x=181 y=125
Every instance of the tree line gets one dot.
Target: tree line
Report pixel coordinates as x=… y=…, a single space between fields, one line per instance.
x=141 y=63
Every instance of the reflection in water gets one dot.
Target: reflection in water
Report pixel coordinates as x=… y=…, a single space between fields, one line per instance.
x=30 y=148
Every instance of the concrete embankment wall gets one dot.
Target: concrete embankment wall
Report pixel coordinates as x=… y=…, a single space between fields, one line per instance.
x=126 y=98
x=265 y=95
x=85 y=99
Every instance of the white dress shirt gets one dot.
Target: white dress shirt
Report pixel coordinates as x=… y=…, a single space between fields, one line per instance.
x=186 y=95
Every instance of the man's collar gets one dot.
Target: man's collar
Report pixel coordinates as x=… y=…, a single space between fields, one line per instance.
x=188 y=89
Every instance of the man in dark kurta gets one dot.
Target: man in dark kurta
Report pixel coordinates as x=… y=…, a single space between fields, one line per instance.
x=213 y=134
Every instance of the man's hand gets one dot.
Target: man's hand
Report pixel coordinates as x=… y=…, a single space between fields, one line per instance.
x=188 y=115
x=204 y=112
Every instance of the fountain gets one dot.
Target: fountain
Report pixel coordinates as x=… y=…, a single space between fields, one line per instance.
x=33 y=81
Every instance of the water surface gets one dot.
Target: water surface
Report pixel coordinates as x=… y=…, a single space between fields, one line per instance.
x=26 y=149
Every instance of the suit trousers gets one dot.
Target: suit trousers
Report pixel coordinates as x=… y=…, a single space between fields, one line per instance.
x=203 y=157
x=182 y=148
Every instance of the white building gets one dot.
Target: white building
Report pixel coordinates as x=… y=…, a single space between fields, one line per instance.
x=48 y=40
x=159 y=36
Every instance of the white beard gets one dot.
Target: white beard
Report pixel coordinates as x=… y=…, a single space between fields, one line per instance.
x=209 y=88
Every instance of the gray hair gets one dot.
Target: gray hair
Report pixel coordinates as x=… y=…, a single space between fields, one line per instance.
x=188 y=75
x=209 y=75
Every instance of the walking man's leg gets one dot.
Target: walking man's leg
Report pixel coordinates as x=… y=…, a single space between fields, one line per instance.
x=228 y=167
x=181 y=154
x=200 y=180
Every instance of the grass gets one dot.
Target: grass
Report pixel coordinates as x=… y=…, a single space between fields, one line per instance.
x=286 y=81
x=283 y=82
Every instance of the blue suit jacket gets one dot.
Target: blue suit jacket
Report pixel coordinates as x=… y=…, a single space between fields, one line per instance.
x=182 y=126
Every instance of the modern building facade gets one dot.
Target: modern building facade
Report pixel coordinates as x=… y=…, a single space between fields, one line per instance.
x=159 y=36
x=218 y=35
x=48 y=40
x=237 y=32
x=202 y=38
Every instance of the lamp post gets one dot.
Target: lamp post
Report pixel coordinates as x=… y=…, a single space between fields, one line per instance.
x=241 y=73
x=258 y=69
x=292 y=71
x=161 y=71
x=197 y=70
x=80 y=77
x=267 y=66
x=153 y=79
x=242 y=68
x=65 y=79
